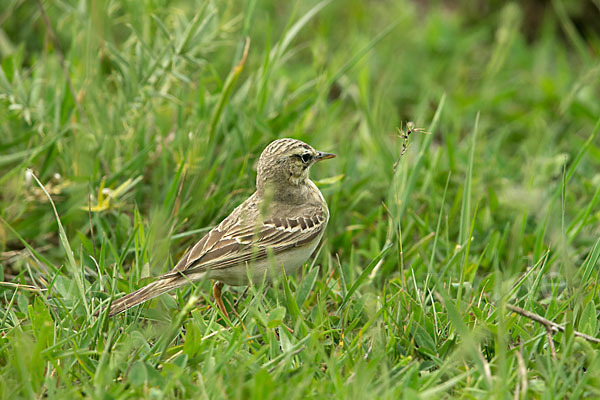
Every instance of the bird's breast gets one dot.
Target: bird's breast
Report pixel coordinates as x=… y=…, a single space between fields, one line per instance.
x=291 y=260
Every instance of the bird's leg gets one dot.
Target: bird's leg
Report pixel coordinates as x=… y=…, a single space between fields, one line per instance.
x=217 y=295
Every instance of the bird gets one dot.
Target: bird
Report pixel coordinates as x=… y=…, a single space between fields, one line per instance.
x=279 y=225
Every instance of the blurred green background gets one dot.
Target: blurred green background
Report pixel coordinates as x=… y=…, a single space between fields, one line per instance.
x=143 y=121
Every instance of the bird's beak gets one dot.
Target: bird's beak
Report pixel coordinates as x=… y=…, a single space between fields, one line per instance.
x=324 y=156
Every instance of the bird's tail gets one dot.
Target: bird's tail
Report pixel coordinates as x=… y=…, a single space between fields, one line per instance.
x=150 y=291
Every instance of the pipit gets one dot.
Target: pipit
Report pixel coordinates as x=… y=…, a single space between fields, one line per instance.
x=280 y=225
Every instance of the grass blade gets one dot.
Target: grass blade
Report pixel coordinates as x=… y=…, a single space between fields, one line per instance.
x=364 y=275
x=75 y=271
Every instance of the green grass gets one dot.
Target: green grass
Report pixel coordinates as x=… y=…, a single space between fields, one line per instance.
x=155 y=138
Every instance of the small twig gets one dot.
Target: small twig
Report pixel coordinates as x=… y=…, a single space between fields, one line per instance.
x=61 y=58
x=551 y=326
x=410 y=128
x=551 y=342
x=31 y=288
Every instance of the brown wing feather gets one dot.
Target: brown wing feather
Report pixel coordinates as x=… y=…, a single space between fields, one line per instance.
x=203 y=246
x=245 y=243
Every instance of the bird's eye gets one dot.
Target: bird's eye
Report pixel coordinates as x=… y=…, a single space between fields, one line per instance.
x=306 y=157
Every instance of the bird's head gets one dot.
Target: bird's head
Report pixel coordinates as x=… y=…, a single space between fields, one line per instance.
x=286 y=163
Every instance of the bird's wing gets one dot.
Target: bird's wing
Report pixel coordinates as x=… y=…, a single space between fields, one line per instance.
x=231 y=244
